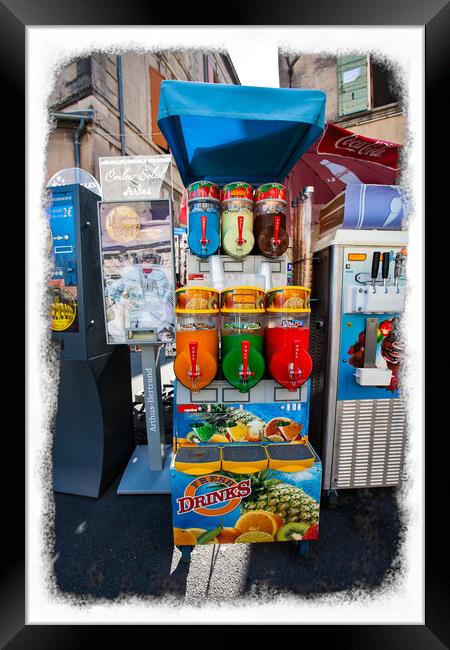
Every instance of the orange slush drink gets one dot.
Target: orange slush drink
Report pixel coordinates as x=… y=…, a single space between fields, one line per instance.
x=206 y=358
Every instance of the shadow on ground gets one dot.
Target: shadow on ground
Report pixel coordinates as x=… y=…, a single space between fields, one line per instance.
x=357 y=547
x=119 y=545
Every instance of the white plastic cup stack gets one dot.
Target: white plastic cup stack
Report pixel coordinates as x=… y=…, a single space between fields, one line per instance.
x=216 y=273
x=266 y=272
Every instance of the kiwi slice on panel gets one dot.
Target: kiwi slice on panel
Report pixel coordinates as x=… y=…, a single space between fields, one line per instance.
x=192 y=437
x=259 y=302
x=292 y=532
x=212 y=303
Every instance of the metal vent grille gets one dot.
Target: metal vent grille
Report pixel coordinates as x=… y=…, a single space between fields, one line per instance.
x=316 y=351
x=369 y=443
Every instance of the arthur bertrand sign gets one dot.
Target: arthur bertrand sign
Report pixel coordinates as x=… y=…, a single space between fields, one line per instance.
x=127 y=178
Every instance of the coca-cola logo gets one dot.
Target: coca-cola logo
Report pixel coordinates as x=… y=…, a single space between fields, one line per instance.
x=340 y=142
x=372 y=149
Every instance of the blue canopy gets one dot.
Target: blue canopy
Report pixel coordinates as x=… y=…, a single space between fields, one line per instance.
x=225 y=133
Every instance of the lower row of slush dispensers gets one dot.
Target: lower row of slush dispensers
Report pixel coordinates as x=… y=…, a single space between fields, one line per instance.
x=259 y=332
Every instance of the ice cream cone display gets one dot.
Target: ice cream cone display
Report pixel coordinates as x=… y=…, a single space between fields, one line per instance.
x=204 y=218
x=63 y=309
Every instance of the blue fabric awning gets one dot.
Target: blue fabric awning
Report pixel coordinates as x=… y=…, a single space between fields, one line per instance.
x=225 y=133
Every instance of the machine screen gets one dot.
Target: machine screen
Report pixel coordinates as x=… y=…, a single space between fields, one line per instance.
x=63 y=284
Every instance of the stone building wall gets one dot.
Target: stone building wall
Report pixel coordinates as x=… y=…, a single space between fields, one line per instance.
x=91 y=83
x=316 y=71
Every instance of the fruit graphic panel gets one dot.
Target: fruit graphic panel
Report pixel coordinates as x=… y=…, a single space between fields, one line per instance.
x=228 y=508
x=234 y=423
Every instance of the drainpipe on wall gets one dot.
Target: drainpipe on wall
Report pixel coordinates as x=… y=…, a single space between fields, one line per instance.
x=82 y=117
x=290 y=67
x=120 y=98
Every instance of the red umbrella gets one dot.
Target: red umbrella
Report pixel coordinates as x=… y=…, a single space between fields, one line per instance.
x=341 y=157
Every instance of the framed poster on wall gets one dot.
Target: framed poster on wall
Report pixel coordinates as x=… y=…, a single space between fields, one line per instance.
x=138 y=276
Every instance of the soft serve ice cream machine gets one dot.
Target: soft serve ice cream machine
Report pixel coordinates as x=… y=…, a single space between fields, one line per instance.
x=357 y=411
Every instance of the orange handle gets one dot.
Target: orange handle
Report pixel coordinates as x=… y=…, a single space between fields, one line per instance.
x=276 y=229
x=203 y=221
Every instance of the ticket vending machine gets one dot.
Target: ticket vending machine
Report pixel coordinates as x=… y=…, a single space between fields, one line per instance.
x=93 y=436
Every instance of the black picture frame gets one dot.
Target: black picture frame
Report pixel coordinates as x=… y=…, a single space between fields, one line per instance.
x=15 y=16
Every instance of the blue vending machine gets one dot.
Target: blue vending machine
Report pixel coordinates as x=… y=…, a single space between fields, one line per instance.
x=93 y=436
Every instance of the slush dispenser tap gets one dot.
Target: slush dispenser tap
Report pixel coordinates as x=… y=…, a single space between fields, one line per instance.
x=245 y=371
x=375 y=265
x=194 y=372
x=294 y=370
x=276 y=232
x=240 y=241
x=385 y=269
x=203 y=240
x=398 y=267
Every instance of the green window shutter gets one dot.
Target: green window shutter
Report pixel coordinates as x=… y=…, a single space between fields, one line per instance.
x=353 y=91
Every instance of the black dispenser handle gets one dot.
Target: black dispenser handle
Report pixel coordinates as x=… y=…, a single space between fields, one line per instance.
x=375 y=264
x=385 y=266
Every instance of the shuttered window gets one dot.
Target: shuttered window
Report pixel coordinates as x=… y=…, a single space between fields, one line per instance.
x=155 y=91
x=353 y=87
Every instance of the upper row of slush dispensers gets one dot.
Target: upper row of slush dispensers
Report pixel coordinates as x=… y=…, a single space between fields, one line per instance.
x=244 y=219
x=259 y=331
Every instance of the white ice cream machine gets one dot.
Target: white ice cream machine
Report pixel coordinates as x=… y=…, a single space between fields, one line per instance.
x=357 y=413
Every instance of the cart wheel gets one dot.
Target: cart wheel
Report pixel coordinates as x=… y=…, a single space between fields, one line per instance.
x=185 y=553
x=332 y=497
x=303 y=548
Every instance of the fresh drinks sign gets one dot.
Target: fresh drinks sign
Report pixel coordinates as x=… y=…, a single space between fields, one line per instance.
x=228 y=492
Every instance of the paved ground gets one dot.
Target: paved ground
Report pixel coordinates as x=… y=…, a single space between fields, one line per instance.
x=123 y=544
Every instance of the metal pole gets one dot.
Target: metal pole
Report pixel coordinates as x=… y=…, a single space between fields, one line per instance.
x=76 y=145
x=151 y=373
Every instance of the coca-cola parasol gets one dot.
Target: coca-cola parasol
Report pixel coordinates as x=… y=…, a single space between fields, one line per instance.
x=341 y=157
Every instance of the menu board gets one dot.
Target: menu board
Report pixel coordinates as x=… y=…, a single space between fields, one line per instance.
x=136 y=240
